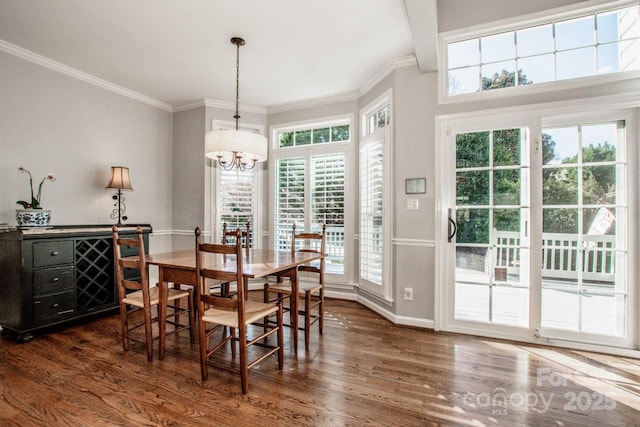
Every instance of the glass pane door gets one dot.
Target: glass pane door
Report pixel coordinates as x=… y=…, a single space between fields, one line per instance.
x=584 y=234
x=492 y=216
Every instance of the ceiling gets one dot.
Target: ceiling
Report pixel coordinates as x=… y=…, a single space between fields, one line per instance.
x=179 y=52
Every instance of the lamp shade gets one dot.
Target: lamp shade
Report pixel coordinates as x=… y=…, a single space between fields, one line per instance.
x=120 y=178
x=223 y=143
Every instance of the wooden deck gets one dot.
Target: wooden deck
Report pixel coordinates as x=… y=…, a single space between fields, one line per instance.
x=363 y=371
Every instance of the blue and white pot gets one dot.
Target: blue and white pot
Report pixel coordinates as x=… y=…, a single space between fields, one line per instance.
x=33 y=217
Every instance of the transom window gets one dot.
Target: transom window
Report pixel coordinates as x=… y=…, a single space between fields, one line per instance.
x=588 y=45
x=313 y=135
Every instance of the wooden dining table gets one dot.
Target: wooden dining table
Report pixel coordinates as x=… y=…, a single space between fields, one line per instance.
x=179 y=268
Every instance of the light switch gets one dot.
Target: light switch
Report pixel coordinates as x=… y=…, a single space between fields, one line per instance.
x=412 y=205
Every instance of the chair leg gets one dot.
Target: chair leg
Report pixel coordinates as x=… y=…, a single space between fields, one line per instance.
x=307 y=318
x=191 y=316
x=244 y=368
x=147 y=333
x=321 y=310
x=124 y=326
x=202 y=339
x=280 y=334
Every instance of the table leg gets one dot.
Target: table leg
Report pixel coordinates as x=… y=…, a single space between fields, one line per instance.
x=162 y=311
x=294 y=307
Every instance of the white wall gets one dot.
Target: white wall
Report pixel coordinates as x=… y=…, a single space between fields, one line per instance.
x=50 y=122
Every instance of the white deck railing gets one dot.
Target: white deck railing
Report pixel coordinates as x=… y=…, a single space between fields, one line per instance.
x=560 y=255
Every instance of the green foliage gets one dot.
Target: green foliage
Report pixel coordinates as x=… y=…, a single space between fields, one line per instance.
x=504 y=79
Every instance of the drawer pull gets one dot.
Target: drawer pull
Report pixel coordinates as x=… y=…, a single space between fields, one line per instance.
x=55 y=279
x=54 y=253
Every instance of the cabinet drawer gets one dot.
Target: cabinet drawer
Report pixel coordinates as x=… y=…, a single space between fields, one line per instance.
x=52 y=253
x=52 y=280
x=53 y=306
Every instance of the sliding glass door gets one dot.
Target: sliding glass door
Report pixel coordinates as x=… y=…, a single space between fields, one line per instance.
x=537 y=244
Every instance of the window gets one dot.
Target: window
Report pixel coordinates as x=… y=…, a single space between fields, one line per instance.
x=375 y=195
x=310 y=183
x=320 y=135
x=235 y=194
x=237 y=200
x=587 y=45
x=371 y=203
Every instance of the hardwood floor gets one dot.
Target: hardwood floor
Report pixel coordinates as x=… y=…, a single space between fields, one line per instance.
x=363 y=371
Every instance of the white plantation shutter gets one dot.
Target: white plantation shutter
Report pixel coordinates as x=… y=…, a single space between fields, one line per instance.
x=327 y=205
x=371 y=202
x=237 y=199
x=290 y=199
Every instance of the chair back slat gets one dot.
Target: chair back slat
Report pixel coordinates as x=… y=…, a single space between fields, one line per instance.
x=139 y=262
x=204 y=273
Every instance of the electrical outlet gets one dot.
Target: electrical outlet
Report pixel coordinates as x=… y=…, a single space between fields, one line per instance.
x=408 y=294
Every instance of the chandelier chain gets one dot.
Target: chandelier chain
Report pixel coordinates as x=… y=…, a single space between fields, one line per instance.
x=237 y=115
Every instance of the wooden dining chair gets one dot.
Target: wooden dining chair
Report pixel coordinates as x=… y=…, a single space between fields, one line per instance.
x=135 y=295
x=229 y=237
x=311 y=292
x=232 y=317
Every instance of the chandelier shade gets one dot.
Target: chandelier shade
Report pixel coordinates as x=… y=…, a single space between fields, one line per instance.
x=236 y=148
x=222 y=144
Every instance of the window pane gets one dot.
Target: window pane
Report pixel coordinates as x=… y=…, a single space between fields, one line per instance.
x=497 y=47
x=576 y=63
x=472 y=149
x=498 y=75
x=507 y=219
x=472 y=188
x=286 y=139
x=608 y=58
x=575 y=33
x=473 y=226
x=560 y=186
x=535 y=40
x=607 y=27
x=506 y=187
x=340 y=133
x=506 y=147
x=463 y=53
x=561 y=145
x=599 y=185
x=321 y=135
x=236 y=199
x=371 y=217
x=303 y=137
x=559 y=220
x=290 y=202
x=536 y=69
x=599 y=143
x=464 y=80
x=327 y=206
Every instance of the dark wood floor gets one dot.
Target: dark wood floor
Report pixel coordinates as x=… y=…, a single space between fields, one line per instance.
x=363 y=371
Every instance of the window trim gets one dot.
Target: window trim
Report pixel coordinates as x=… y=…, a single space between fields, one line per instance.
x=306 y=151
x=510 y=24
x=385 y=290
x=214 y=194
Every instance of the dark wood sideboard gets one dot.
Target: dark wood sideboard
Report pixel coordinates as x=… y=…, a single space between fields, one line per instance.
x=55 y=275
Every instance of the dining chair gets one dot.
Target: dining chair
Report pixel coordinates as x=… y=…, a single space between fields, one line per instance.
x=313 y=293
x=228 y=237
x=233 y=318
x=135 y=295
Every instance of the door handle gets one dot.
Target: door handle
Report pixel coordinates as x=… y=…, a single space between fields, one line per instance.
x=452 y=227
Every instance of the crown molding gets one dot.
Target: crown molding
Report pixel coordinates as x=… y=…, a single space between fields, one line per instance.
x=394 y=64
x=344 y=97
x=226 y=105
x=27 y=55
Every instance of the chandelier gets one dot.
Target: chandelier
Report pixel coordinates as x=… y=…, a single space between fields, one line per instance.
x=236 y=148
